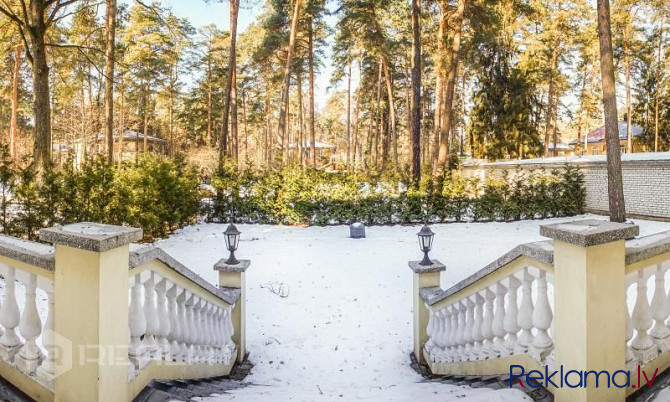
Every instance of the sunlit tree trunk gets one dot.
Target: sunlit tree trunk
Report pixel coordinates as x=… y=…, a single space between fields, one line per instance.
x=109 y=78
x=283 y=108
x=439 y=81
x=232 y=68
x=416 y=91
x=310 y=55
x=658 y=75
x=14 y=124
x=445 y=127
x=614 y=177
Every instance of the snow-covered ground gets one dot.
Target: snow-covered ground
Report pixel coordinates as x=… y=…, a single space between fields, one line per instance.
x=329 y=318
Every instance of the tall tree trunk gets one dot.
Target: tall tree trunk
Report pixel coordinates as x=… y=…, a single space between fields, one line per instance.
x=121 y=120
x=287 y=72
x=378 y=116
x=310 y=56
x=614 y=177
x=109 y=79
x=349 y=114
x=416 y=91
x=451 y=82
x=233 y=116
x=146 y=118
x=173 y=79
x=41 y=91
x=14 y=125
x=358 y=106
x=232 y=68
x=629 y=117
x=209 y=90
x=659 y=70
x=391 y=127
x=555 y=127
x=300 y=143
x=439 y=81
x=550 y=100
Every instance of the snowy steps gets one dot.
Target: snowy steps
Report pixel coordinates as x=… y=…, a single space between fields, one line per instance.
x=185 y=390
x=10 y=393
x=495 y=382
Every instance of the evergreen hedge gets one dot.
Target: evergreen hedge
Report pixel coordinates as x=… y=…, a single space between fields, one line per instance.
x=310 y=197
x=155 y=195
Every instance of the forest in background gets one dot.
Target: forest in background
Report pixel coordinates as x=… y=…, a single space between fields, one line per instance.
x=485 y=78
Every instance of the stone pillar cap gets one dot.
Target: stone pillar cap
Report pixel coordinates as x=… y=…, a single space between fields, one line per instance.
x=425 y=269
x=589 y=232
x=222 y=266
x=91 y=236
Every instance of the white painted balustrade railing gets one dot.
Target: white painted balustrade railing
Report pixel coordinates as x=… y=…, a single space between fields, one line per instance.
x=96 y=318
x=170 y=323
x=594 y=298
x=27 y=309
x=492 y=323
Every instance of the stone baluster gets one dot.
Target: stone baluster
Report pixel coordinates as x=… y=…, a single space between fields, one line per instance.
x=542 y=318
x=469 y=324
x=477 y=327
x=47 y=370
x=631 y=360
x=430 y=331
x=444 y=341
x=210 y=335
x=218 y=335
x=642 y=344
x=453 y=333
x=137 y=324
x=151 y=314
x=174 y=335
x=460 y=338
x=10 y=317
x=184 y=325
x=30 y=327
x=438 y=333
x=660 y=308
x=487 y=325
x=230 y=330
x=163 y=320
x=525 y=317
x=199 y=316
x=190 y=324
x=512 y=316
x=498 y=327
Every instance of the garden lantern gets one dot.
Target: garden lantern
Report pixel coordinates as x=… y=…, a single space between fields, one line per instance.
x=425 y=243
x=232 y=237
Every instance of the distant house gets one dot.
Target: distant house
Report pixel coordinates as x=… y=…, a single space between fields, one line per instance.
x=132 y=141
x=323 y=150
x=594 y=142
x=562 y=149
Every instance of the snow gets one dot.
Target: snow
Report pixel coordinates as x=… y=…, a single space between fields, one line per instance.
x=329 y=317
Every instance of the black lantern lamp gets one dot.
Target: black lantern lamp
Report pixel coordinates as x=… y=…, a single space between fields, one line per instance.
x=232 y=237
x=426 y=243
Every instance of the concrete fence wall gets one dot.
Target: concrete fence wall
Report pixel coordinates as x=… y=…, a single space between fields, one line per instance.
x=646 y=179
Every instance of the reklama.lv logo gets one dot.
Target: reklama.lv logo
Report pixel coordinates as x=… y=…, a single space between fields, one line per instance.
x=578 y=378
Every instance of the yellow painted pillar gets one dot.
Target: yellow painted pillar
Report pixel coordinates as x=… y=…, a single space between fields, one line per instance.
x=232 y=276
x=589 y=300
x=425 y=276
x=91 y=310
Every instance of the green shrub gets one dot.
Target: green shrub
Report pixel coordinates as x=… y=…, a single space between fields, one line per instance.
x=155 y=195
x=309 y=197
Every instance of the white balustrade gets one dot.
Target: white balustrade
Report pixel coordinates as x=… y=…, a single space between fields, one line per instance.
x=511 y=316
x=525 y=317
x=21 y=324
x=163 y=320
x=642 y=344
x=151 y=315
x=660 y=307
x=543 y=343
x=499 y=322
x=494 y=323
x=174 y=337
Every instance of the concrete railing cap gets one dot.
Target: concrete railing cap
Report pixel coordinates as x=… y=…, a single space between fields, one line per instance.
x=91 y=236
x=589 y=232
